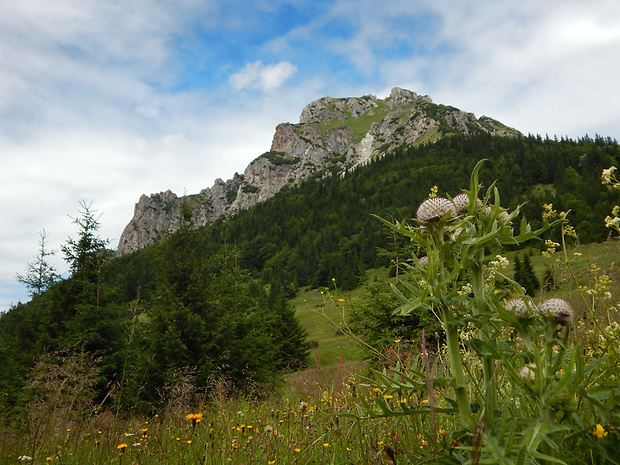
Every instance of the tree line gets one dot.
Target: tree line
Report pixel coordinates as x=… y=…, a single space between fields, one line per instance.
x=214 y=300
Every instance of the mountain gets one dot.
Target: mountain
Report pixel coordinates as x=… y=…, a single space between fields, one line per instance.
x=333 y=136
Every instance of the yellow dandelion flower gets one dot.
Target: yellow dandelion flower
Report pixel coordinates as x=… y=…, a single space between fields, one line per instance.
x=326 y=444
x=121 y=447
x=388 y=397
x=189 y=441
x=425 y=401
x=340 y=300
x=297 y=450
x=376 y=390
x=599 y=431
x=271 y=462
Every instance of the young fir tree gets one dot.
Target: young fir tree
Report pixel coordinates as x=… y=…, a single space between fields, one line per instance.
x=40 y=274
x=531 y=283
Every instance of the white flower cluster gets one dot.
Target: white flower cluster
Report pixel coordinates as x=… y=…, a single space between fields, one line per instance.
x=608 y=177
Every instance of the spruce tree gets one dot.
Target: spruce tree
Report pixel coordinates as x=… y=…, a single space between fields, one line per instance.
x=40 y=274
x=531 y=283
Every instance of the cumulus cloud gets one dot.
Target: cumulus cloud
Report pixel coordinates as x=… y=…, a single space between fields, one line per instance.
x=263 y=77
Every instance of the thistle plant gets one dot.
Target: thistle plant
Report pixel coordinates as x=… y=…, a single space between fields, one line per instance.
x=522 y=406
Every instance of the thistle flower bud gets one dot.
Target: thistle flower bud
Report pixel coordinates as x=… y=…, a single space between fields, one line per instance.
x=461 y=202
x=423 y=261
x=527 y=372
x=558 y=309
x=520 y=308
x=434 y=209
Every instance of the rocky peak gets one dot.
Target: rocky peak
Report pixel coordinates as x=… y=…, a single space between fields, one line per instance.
x=333 y=135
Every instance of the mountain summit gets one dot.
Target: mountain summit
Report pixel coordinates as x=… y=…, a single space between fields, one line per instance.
x=333 y=135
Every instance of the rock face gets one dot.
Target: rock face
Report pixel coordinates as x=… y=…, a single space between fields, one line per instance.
x=333 y=135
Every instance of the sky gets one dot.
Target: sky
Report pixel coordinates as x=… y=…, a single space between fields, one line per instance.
x=102 y=101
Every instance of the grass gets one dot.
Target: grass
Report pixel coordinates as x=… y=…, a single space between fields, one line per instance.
x=308 y=421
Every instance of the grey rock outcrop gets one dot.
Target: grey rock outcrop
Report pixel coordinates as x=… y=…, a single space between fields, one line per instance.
x=334 y=135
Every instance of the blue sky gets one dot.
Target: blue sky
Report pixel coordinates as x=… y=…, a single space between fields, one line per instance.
x=104 y=101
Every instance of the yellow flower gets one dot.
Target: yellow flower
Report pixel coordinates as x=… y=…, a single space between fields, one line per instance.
x=376 y=390
x=49 y=459
x=388 y=397
x=340 y=300
x=425 y=401
x=194 y=417
x=599 y=431
x=271 y=462
x=121 y=447
x=189 y=441
x=326 y=444
x=297 y=450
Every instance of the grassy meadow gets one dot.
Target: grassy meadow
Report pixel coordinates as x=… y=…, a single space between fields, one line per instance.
x=334 y=412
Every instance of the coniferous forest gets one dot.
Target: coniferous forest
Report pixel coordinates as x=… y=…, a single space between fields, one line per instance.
x=213 y=302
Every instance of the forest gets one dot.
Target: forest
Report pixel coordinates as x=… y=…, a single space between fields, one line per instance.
x=213 y=302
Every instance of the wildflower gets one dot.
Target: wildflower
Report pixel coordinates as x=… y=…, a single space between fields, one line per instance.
x=377 y=390
x=189 y=441
x=519 y=307
x=121 y=447
x=388 y=397
x=527 y=372
x=297 y=450
x=433 y=193
x=49 y=459
x=559 y=309
x=271 y=462
x=608 y=176
x=461 y=202
x=549 y=212
x=326 y=444
x=425 y=401
x=24 y=458
x=423 y=261
x=434 y=209
x=194 y=417
x=340 y=300
x=396 y=341
x=268 y=429
x=599 y=431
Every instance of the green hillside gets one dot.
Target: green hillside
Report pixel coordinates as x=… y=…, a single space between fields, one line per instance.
x=213 y=300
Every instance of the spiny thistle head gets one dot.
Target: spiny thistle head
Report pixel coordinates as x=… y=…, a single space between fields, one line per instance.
x=461 y=202
x=434 y=209
x=527 y=372
x=559 y=309
x=520 y=307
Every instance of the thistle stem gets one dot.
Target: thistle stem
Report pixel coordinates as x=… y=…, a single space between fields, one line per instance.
x=456 y=365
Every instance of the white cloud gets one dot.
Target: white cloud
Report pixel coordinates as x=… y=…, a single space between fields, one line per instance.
x=263 y=77
x=90 y=109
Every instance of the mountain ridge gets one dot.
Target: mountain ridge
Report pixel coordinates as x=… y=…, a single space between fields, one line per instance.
x=334 y=135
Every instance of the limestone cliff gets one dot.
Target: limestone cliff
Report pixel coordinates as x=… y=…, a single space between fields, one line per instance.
x=333 y=135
